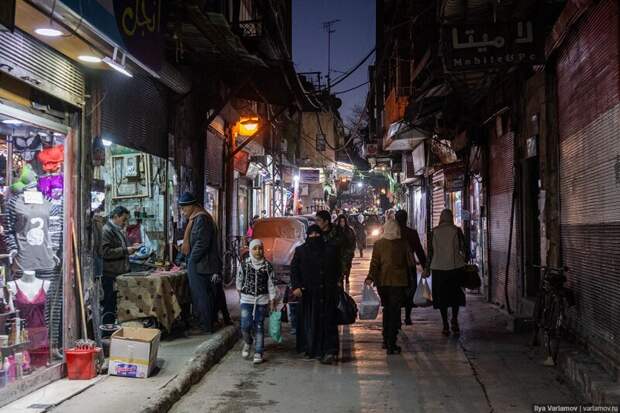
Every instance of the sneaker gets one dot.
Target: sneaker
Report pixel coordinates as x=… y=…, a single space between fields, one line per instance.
x=245 y=352
x=258 y=358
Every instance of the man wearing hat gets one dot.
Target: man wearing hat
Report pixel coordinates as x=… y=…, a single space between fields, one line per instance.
x=202 y=254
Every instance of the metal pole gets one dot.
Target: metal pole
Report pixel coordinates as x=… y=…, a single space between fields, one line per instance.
x=327 y=26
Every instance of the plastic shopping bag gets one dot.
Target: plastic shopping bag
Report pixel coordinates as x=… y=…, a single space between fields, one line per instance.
x=275 y=326
x=369 y=307
x=423 y=296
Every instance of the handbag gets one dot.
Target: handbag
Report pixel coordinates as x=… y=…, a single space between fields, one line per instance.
x=347 y=309
x=284 y=311
x=471 y=278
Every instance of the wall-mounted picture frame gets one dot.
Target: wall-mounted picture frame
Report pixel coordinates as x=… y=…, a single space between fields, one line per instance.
x=131 y=176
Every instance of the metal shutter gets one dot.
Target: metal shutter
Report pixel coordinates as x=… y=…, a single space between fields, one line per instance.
x=43 y=68
x=214 y=168
x=439 y=199
x=589 y=119
x=134 y=112
x=501 y=181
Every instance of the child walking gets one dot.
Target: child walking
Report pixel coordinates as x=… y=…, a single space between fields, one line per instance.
x=257 y=293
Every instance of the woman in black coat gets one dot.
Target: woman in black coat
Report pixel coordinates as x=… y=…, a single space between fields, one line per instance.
x=315 y=274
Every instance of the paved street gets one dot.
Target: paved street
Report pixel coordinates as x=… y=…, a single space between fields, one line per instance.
x=487 y=369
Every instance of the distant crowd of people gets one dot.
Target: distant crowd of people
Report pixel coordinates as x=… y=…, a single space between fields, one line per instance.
x=320 y=270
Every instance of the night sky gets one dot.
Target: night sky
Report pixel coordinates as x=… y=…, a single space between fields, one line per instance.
x=354 y=37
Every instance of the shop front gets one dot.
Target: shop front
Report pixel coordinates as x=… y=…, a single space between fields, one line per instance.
x=41 y=100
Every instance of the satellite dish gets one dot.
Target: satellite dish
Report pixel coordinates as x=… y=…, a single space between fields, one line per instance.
x=337 y=103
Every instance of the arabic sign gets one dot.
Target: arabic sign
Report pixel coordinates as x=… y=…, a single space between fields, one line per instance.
x=470 y=47
x=310 y=176
x=135 y=26
x=7 y=15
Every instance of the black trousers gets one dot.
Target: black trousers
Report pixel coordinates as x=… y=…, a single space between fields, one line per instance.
x=392 y=300
x=109 y=299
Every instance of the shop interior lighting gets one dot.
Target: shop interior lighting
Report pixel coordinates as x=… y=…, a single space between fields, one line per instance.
x=296 y=178
x=89 y=59
x=359 y=184
x=57 y=134
x=12 y=122
x=48 y=32
x=106 y=142
x=119 y=67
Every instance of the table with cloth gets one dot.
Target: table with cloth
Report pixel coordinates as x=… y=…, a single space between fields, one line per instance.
x=160 y=295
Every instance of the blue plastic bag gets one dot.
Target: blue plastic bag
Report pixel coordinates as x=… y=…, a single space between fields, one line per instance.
x=275 y=326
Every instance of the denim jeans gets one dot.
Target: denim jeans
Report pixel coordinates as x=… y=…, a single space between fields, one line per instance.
x=251 y=323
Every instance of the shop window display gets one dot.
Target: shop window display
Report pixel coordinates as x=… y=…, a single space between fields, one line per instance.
x=31 y=248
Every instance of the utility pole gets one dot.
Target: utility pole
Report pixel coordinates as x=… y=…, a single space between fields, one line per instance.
x=327 y=26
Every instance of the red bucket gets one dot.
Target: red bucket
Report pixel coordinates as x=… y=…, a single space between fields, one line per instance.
x=81 y=364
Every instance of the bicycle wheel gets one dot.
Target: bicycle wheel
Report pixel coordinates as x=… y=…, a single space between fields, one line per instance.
x=231 y=274
x=536 y=319
x=553 y=330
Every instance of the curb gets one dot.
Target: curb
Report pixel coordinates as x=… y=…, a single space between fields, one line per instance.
x=206 y=356
x=588 y=376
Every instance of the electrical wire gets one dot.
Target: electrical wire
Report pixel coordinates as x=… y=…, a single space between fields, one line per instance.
x=351 y=89
x=340 y=79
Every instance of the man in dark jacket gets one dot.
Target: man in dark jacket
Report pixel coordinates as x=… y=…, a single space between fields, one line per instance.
x=204 y=264
x=332 y=237
x=415 y=247
x=115 y=254
x=315 y=274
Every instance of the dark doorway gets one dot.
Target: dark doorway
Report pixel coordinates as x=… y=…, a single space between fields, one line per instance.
x=531 y=226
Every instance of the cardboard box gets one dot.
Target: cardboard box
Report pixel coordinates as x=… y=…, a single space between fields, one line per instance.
x=133 y=352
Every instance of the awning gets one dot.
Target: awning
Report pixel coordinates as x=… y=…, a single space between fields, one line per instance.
x=402 y=136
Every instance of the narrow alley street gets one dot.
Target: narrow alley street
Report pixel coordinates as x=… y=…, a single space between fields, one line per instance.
x=487 y=369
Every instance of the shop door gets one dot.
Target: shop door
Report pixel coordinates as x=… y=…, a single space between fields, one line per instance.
x=589 y=127
x=531 y=226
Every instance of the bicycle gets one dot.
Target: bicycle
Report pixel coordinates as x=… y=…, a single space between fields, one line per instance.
x=550 y=311
x=232 y=259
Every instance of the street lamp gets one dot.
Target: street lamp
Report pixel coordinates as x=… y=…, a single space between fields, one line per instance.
x=248 y=126
x=360 y=184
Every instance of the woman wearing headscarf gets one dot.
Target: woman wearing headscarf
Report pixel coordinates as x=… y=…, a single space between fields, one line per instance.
x=347 y=235
x=389 y=271
x=257 y=293
x=447 y=256
x=315 y=274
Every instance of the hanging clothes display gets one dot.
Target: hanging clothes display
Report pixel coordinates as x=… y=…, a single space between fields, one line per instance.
x=27 y=232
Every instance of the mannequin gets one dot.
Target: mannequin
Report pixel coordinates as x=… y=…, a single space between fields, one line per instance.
x=27 y=234
x=29 y=286
x=28 y=297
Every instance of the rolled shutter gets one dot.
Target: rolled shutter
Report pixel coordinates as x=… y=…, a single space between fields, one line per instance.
x=214 y=168
x=134 y=112
x=439 y=198
x=25 y=58
x=501 y=183
x=589 y=120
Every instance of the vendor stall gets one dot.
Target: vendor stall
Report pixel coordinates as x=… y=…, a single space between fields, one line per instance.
x=162 y=296
x=143 y=184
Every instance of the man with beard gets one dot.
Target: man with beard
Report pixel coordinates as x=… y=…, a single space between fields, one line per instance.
x=315 y=275
x=333 y=238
